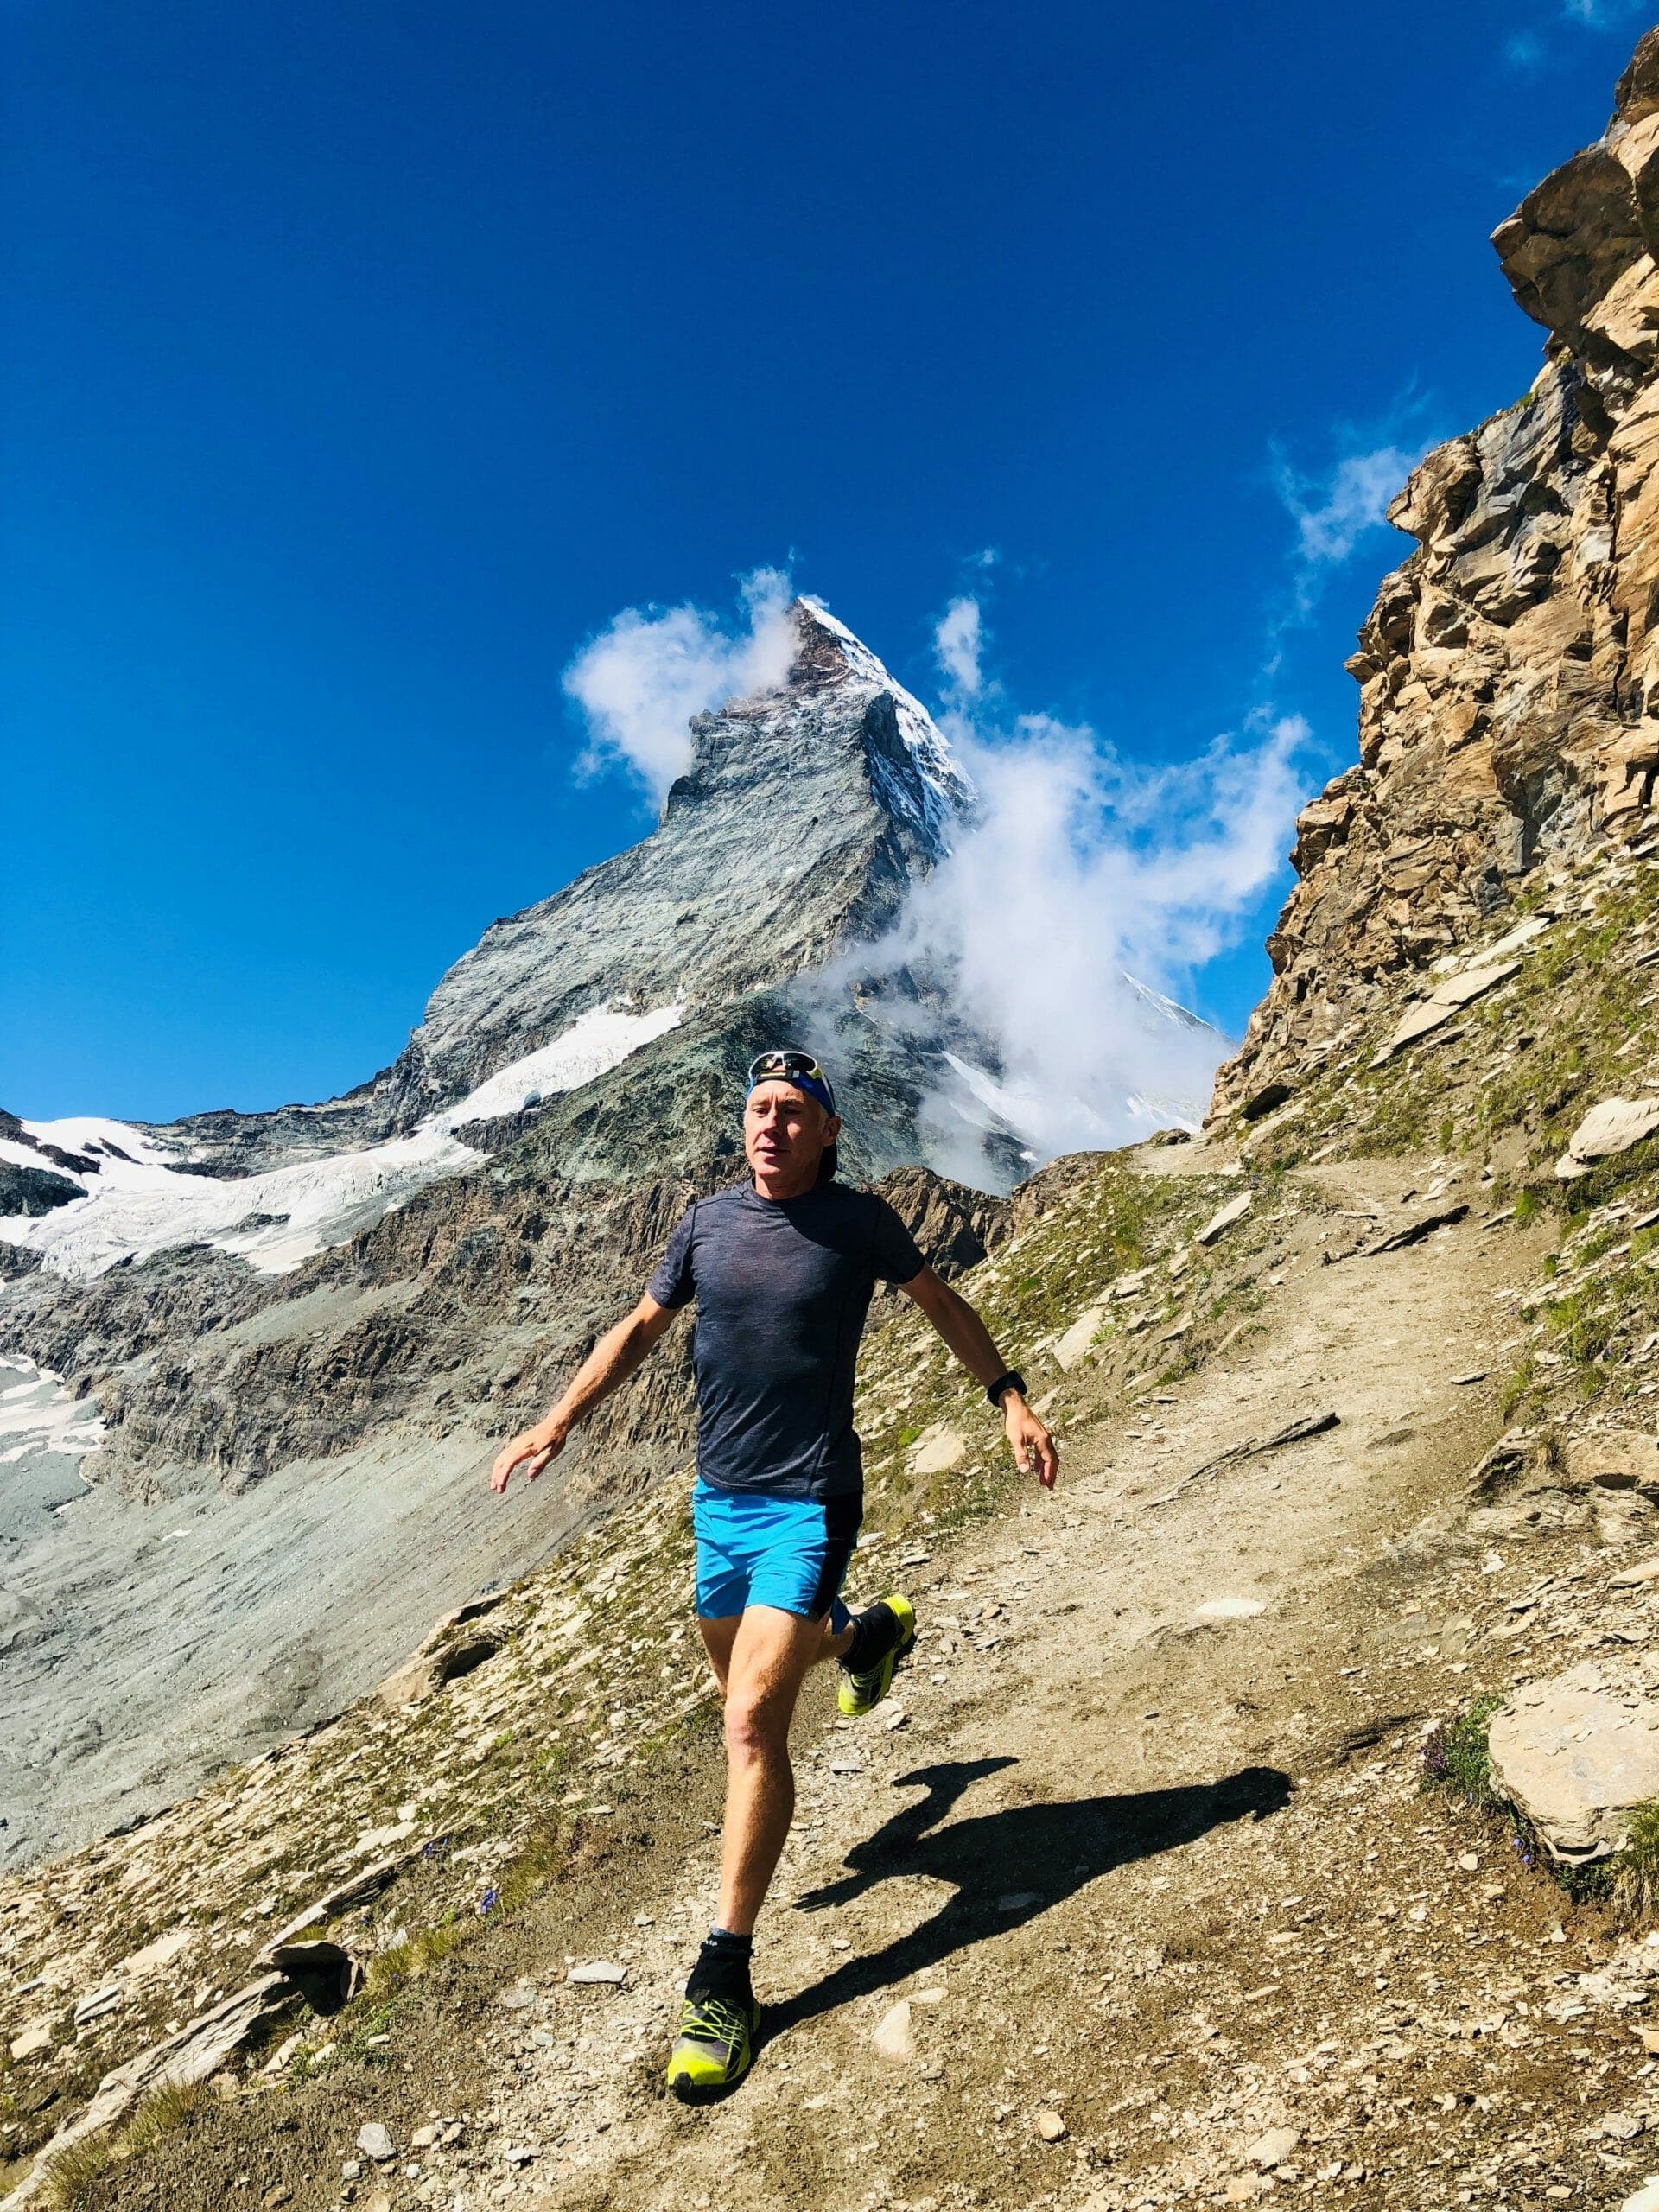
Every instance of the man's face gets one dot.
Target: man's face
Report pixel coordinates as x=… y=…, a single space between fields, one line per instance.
x=785 y=1132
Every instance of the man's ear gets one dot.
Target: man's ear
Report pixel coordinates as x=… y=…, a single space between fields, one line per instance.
x=831 y=1128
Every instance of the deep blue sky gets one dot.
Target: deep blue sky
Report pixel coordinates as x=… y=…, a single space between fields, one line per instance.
x=363 y=360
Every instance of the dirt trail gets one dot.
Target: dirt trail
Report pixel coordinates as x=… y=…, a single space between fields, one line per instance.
x=1164 y=1874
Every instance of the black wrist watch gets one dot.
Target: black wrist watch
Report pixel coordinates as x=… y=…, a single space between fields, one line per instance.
x=1011 y=1381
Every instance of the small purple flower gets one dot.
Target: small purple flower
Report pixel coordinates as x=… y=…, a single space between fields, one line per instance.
x=486 y=1900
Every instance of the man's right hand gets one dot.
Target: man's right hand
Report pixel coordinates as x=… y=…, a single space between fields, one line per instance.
x=532 y=1449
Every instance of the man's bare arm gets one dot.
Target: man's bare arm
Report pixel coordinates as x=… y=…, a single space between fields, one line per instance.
x=971 y=1341
x=619 y=1352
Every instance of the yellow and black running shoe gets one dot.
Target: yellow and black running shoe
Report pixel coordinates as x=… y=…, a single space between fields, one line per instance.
x=862 y=1691
x=713 y=2049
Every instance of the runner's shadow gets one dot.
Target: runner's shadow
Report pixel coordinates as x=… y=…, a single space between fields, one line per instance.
x=1008 y=1866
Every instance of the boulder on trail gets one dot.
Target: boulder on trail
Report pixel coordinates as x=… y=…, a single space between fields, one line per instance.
x=1577 y=1754
x=1273 y=2148
x=892 y=2037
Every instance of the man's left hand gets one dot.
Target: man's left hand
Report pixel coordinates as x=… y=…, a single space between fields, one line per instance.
x=1029 y=1440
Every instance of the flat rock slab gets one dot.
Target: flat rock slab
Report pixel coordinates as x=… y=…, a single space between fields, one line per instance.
x=1577 y=1754
x=1609 y=1128
x=1219 y=1223
x=1071 y=1348
x=938 y=1450
x=1434 y=1012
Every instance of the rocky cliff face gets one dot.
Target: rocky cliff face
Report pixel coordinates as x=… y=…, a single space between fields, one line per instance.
x=1508 y=672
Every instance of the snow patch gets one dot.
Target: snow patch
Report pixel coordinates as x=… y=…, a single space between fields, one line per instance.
x=591 y=1047
x=1017 y=1108
x=138 y=1206
x=38 y=1415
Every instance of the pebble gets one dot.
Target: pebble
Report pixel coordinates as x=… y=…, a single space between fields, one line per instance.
x=99 y=2004
x=1050 y=2127
x=351 y=2168
x=1273 y=2147
x=1017 y=1900
x=375 y=2142
x=892 y=2037
x=598 y=1970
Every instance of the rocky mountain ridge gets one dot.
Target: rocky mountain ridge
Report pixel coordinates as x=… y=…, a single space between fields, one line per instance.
x=1509 y=671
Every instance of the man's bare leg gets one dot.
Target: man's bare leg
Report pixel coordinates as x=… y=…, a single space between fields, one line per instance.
x=719 y=1636
x=761 y=1666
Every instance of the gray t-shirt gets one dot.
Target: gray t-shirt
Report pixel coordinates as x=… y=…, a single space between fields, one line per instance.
x=783 y=1287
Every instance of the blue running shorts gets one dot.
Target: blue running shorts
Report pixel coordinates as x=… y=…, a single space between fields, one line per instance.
x=788 y=1552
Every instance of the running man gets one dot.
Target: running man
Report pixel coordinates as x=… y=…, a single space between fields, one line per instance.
x=783 y=1268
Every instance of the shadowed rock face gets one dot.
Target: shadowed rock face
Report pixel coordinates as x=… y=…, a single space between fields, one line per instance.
x=1509 y=671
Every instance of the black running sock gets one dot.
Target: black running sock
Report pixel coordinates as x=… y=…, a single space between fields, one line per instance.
x=722 y=1968
x=874 y=1634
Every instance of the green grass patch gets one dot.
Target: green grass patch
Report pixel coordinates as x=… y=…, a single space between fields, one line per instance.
x=1456 y=1756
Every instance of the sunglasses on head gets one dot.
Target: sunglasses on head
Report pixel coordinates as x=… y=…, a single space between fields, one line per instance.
x=788 y=1065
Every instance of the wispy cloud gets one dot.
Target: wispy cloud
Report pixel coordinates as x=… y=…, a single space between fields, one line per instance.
x=1524 y=51
x=1529 y=48
x=957 y=644
x=640 y=681
x=1334 y=510
x=1601 y=14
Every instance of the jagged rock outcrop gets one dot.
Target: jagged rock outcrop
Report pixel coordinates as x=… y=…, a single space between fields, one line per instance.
x=1509 y=671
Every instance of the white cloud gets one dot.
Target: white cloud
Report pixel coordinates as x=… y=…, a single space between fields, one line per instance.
x=646 y=675
x=1332 y=513
x=957 y=644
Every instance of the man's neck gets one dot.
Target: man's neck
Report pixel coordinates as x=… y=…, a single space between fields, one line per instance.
x=778 y=1189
